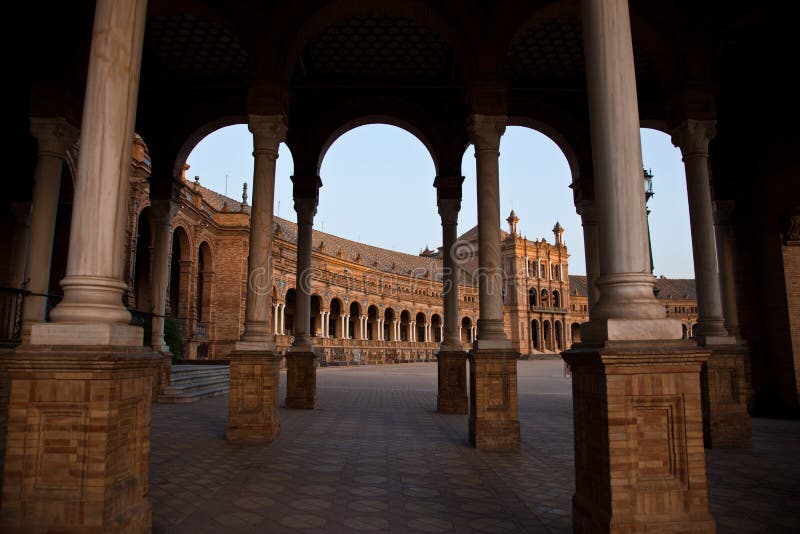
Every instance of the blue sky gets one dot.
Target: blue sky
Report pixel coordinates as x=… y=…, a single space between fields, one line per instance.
x=378 y=189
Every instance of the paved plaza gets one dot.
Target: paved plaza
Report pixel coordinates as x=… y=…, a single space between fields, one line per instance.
x=375 y=456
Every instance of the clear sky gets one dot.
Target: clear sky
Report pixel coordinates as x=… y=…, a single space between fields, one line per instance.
x=378 y=189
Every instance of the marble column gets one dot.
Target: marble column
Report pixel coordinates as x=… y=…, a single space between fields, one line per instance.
x=589 y=221
x=412 y=332
x=275 y=321
x=485 y=132
x=268 y=133
x=162 y=212
x=364 y=327
x=692 y=138
x=282 y=318
x=639 y=459
x=724 y=238
x=93 y=285
x=448 y=211
x=54 y=136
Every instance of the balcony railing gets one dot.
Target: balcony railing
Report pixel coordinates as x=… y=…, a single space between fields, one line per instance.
x=543 y=309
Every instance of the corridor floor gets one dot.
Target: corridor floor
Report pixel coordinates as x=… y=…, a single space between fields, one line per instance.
x=375 y=456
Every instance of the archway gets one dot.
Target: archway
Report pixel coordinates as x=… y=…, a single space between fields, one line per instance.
x=537 y=343
x=316 y=323
x=466 y=330
x=288 y=311
x=335 y=321
x=547 y=335
x=545 y=298
x=389 y=325
x=405 y=325
x=372 y=323
x=422 y=328
x=532 y=297
x=354 y=322
x=559 y=336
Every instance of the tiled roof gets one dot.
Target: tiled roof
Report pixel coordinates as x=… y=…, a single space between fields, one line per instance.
x=369 y=254
x=219 y=201
x=472 y=234
x=578 y=282
x=669 y=288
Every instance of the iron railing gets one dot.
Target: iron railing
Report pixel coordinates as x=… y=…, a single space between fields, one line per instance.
x=11 y=307
x=11 y=313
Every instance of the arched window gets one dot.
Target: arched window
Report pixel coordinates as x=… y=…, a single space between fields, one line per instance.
x=532 y=300
x=545 y=298
x=535 y=335
x=547 y=335
x=556 y=299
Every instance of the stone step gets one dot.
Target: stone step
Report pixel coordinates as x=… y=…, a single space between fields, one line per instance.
x=190 y=383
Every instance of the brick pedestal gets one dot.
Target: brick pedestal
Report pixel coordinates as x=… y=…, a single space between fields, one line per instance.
x=493 y=416
x=253 y=406
x=639 y=457
x=78 y=439
x=301 y=380
x=452 y=373
x=726 y=423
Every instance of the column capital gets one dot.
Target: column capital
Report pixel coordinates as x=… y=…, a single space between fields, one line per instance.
x=162 y=211
x=485 y=131
x=692 y=137
x=306 y=208
x=723 y=209
x=448 y=186
x=448 y=210
x=55 y=135
x=269 y=131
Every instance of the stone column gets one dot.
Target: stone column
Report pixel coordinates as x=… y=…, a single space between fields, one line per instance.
x=81 y=391
x=724 y=238
x=93 y=285
x=448 y=211
x=54 y=136
x=485 y=132
x=493 y=419
x=692 y=138
x=254 y=365
x=412 y=331
x=268 y=133
x=589 y=220
x=283 y=319
x=301 y=362
x=395 y=330
x=726 y=422
x=639 y=460
x=162 y=213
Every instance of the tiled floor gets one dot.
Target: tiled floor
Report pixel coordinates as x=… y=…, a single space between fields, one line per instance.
x=376 y=456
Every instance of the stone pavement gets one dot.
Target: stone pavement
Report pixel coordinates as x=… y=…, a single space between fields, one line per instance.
x=376 y=456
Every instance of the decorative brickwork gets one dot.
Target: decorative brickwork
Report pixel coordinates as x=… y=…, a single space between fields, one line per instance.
x=78 y=440
x=301 y=380
x=726 y=423
x=452 y=380
x=493 y=417
x=253 y=409
x=639 y=457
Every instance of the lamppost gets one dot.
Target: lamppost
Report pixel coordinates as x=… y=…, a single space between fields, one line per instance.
x=648 y=194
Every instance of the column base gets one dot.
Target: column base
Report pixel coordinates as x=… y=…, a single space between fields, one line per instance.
x=83 y=334
x=257 y=345
x=78 y=439
x=639 y=457
x=253 y=405
x=452 y=380
x=493 y=414
x=601 y=330
x=301 y=380
x=726 y=422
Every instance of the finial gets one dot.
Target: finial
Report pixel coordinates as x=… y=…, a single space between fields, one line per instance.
x=196 y=183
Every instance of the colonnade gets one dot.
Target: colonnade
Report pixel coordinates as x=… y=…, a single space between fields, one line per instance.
x=630 y=370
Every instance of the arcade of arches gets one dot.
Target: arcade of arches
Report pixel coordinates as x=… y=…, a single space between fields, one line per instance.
x=651 y=386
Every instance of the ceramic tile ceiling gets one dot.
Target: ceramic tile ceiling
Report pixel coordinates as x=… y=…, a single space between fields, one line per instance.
x=374 y=49
x=552 y=51
x=188 y=47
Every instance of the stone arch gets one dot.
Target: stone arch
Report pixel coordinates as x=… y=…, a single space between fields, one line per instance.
x=536 y=340
x=547 y=335
x=532 y=297
x=575 y=333
x=204 y=284
x=179 y=278
x=372 y=322
x=335 y=318
x=436 y=327
x=421 y=324
x=389 y=317
x=389 y=120
x=405 y=325
x=354 y=320
x=545 y=300
x=466 y=330
x=316 y=317
x=142 y=265
x=556 y=298
x=567 y=148
x=559 y=336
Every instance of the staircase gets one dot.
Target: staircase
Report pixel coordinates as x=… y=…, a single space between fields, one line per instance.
x=190 y=383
